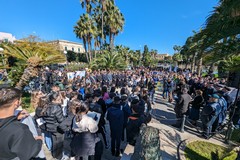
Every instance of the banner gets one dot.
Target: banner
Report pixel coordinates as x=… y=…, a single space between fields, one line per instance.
x=80 y=73
x=70 y=75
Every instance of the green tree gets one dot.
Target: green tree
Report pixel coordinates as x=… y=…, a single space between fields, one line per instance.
x=114 y=22
x=85 y=30
x=71 y=56
x=109 y=60
x=33 y=55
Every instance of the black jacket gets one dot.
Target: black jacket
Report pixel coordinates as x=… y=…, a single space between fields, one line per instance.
x=17 y=140
x=53 y=117
x=133 y=127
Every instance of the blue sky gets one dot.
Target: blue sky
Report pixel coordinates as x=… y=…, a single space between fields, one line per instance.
x=160 y=24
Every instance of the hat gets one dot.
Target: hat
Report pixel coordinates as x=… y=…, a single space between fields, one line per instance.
x=117 y=98
x=135 y=101
x=124 y=97
x=214 y=96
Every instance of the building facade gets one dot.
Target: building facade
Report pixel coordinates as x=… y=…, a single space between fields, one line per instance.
x=65 y=45
x=163 y=56
x=7 y=37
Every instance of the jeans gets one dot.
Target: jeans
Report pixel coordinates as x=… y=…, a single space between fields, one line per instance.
x=165 y=92
x=152 y=95
x=207 y=123
x=48 y=140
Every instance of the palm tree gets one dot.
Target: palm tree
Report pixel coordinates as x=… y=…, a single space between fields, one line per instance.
x=86 y=29
x=31 y=59
x=114 y=22
x=222 y=23
x=109 y=60
x=87 y=4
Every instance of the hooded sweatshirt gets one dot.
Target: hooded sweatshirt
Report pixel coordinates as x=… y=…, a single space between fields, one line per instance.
x=17 y=142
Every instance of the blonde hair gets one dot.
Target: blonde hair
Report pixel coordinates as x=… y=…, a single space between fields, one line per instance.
x=199 y=92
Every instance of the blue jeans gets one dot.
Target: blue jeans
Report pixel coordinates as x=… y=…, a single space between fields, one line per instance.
x=151 y=96
x=165 y=92
x=48 y=140
x=207 y=124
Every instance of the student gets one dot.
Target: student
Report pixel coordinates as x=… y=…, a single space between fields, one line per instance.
x=85 y=139
x=18 y=141
x=115 y=116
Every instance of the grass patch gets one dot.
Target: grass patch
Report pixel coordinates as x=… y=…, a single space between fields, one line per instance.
x=235 y=136
x=26 y=102
x=201 y=150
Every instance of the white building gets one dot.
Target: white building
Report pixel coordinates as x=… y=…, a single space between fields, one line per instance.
x=65 y=45
x=7 y=37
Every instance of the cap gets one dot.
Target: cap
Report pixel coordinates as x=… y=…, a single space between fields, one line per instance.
x=117 y=99
x=214 y=96
x=124 y=97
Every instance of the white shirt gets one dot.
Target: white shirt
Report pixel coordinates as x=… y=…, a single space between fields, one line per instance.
x=86 y=124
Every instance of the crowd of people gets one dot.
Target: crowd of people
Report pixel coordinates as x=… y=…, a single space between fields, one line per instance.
x=71 y=114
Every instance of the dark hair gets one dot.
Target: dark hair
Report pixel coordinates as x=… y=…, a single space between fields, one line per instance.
x=43 y=103
x=113 y=89
x=8 y=95
x=82 y=107
x=104 y=90
x=53 y=96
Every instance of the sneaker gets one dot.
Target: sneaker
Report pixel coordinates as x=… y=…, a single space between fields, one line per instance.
x=107 y=146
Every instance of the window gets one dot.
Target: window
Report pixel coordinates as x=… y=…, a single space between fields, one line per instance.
x=5 y=40
x=79 y=50
x=72 y=49
x=65 y=48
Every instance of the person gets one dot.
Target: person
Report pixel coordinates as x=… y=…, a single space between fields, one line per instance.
x=151 y=90
x=133 y=125
x=126 y=111
x=17 y=141
x=85 y=128
x=197 y=103
x=210 y=114
x=66 y=126
x=181 y=107
x=52 y=114
x=115 y=116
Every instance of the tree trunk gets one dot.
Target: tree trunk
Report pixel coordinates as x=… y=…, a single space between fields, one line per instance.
x=89 y=48
x=199 y=69
x=102 y=31
x=193 y=64
x=27 y=74
x=85 y=47
x=111 y=40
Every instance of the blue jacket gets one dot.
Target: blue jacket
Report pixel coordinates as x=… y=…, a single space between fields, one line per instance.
x=223 y=104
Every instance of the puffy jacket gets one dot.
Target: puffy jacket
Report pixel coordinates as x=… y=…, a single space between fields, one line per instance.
x=53 y=117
